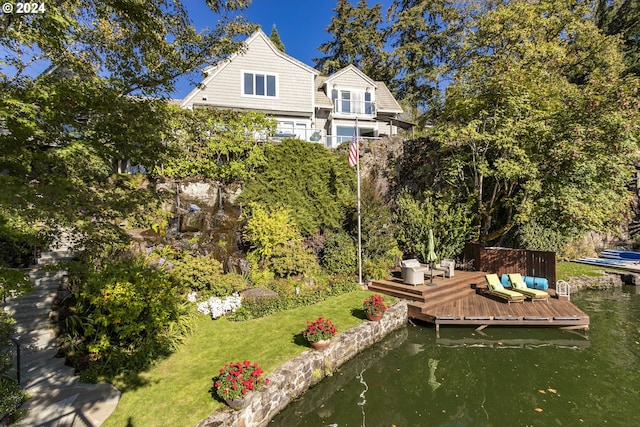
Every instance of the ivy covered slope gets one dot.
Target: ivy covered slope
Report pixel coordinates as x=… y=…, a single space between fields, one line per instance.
x=309 y=180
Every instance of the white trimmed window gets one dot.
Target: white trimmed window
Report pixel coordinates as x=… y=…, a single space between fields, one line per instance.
x=259 y=84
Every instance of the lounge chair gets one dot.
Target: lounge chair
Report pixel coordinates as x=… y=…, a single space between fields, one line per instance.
x=518 y=285
x=496 y=288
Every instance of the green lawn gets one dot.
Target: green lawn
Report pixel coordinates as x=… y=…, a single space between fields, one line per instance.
x=564 y=270
x=176 y=391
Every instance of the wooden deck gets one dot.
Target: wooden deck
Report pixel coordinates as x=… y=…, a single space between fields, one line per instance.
x=462 y=300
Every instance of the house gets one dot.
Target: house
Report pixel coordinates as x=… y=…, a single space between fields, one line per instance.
x=305 y=104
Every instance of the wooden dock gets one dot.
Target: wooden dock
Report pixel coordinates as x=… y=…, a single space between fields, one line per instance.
x=463 y=300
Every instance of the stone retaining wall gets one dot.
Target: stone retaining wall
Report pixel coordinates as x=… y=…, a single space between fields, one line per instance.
x=294 y=377
x=594 y=282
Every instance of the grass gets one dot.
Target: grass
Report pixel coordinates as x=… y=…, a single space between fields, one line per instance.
x=175 y=392
x=565 y=270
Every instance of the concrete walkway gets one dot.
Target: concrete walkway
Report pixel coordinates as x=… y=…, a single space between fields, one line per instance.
x=57 y=398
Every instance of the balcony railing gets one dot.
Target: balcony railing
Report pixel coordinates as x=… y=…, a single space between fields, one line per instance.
x=349 y=107
x=315 y=135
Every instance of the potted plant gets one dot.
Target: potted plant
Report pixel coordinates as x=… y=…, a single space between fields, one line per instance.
x=374 y=307
x=236 y=380
x=319 y=332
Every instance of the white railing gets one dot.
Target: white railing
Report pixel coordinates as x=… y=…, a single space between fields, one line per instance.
x=350 y=107
x=305 y=134
x=316 y=135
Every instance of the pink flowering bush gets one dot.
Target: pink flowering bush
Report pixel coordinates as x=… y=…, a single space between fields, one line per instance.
x=237 y=379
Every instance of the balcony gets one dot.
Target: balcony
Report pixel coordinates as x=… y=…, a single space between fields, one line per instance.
x=345 y=107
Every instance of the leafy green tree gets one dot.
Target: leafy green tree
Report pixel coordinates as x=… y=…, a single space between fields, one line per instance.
x=379 y=245
x=622 y=18
x=221 y=145
x=358 y=39
x=275 y=38
x=340 y=254
x=60 y=130
x=449 y=221
x=308 y=180
x=540 y=124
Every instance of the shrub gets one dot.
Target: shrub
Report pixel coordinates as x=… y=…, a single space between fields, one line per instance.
x=205 y=275
x=377 y=268
x=291 y=259
x=268 y=228
x=134 y=315
x=340 y=254
x=13 y=282
x=253 y=309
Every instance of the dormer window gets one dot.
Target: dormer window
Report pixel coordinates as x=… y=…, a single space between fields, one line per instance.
x=259 y=84
x=352 y=102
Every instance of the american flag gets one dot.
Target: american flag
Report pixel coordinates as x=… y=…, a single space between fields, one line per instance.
x=353 y=150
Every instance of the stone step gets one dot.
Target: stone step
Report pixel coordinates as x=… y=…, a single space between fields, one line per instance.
x=40 y=272
x=29 y=318
x=37 y=339
x=52 y=257
x=30 y=357
x=76 y=405
x=45 y=379
x=30 y=303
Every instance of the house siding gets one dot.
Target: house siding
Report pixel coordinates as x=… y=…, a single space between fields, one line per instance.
x=350 y=79
x=301 y=106
x=293 y=83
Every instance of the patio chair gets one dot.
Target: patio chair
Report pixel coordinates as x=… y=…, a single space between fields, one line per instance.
x=412 y=272
x=448 y=266
x=518 y=285
x=496 y=288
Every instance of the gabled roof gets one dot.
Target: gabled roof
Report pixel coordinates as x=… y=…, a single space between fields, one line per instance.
x=385 y=101
x=211 y=71
x=322 y=100
x=347 y=69
x=260 y=34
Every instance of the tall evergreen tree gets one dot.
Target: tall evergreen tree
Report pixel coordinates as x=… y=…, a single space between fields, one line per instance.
x=358 y=39
x=275 y=38
x=622 y=17
x=422 y=33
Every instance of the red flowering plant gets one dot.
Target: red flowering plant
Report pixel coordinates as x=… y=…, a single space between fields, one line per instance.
x=319 y=330
x=374 y=305
x=237 y=379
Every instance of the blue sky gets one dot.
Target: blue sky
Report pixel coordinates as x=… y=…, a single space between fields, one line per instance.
x=301 y=25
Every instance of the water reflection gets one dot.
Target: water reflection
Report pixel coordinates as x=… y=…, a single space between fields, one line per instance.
x=499 y=376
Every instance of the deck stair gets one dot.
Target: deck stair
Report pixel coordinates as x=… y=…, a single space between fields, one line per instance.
x=423 y=298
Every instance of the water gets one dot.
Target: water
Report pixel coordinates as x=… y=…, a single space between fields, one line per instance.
x=497 y=377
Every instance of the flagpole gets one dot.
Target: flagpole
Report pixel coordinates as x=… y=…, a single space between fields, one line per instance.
x=359 y=217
